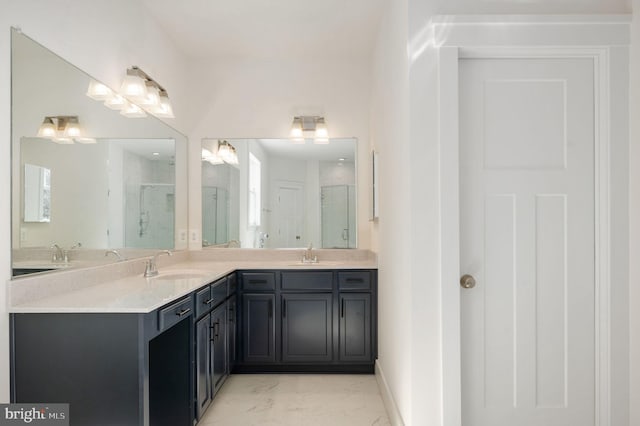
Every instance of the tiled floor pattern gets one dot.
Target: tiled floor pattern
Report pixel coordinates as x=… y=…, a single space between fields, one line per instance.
x=297 y=400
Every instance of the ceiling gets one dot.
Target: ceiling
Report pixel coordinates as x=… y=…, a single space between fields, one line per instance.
x=270 y=29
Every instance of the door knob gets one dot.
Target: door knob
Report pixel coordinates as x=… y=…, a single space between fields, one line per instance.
x=467 y=281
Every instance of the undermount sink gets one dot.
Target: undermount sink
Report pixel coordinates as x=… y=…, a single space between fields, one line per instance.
x=318 y=263
x=174 y=276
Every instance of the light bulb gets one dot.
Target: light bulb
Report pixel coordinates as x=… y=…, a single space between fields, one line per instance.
x=98 y=91
x=296 y=128
x=116 y=102
x=133 y=86
x=47 y=129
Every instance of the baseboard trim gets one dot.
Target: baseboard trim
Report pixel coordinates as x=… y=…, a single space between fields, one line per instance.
x=387 y=398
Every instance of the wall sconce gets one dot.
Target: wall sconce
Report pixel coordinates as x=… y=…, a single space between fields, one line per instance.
x=138 y=93
x=63 y=129
x=309 y=127
x=222 y=152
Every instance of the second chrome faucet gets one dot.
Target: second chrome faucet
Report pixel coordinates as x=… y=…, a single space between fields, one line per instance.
x=151 y=269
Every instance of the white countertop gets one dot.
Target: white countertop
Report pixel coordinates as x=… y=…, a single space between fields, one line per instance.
x=135 y=294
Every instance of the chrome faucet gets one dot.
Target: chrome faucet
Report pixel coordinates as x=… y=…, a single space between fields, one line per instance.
x=151 y=269
x=115 y=253
x=308 y=256
x=58 y=254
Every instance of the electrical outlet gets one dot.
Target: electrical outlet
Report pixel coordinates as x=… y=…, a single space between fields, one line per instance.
x=195 y=237
x=183 y=235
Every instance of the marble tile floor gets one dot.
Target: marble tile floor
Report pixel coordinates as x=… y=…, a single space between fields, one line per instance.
x=297 y=400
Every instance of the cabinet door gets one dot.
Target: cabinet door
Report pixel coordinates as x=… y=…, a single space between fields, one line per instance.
x=306 y=327
x=203 y=366
x=258 y=326
x=231 y=332
x=355 y=327
x=218 y=347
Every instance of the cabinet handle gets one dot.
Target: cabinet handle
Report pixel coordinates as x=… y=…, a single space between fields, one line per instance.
x=208 y=302
x=284 y=308
x=342 y=309
x=183 y=312
x=216 y=328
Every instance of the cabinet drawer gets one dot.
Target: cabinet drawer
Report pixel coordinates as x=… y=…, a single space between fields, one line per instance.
x=305 y=280
x=257 y=281
x=174 y=313
x=218 y=292
x=232 y=284
x=203 y=301
x=354 y=280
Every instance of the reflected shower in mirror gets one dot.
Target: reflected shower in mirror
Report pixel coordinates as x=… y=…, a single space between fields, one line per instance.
x=123 y=187
x=279 y=194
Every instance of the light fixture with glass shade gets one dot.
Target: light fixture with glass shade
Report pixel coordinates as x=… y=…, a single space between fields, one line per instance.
x=138 y=93
x=134 y=85
x=310 y=127
x=63 y=129
x=99 y=91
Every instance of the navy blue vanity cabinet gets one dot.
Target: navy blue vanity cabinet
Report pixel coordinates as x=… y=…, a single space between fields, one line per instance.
x=219 y=357
x=307 y=321
x=355 y=323
x=112 y=368
x=232 y=331
x=258 y=328
x=307 y=316
x=204 y=389
x=212 y=329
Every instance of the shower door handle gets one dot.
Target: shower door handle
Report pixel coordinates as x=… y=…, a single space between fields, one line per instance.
x=345 y=234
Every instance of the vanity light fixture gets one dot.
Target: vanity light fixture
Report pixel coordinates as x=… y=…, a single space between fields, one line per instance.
x=227 y=152
x=309 y=127
x=63 y=129
x=99 y=91
x=138 y=93
x=143 y=90
x=219 y=152
x=132 y=111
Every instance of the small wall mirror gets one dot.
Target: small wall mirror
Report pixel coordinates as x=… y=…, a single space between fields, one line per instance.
x=277 y=194
x=37 y=193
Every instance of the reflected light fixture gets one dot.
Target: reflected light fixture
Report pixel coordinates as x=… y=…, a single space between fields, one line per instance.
x=309 y=127
x=132 y=110
x=219 y=152
x=63 y=129
x=138 y=93
x=99 y=91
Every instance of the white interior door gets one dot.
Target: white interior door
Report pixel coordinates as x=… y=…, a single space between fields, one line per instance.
x=527 y=237
x=290 y=215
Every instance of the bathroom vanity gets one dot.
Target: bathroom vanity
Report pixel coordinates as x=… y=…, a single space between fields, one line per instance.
x=155 y=351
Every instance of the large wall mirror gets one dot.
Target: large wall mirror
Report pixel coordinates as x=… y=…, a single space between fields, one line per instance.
x=124 y=186
x=272 y=193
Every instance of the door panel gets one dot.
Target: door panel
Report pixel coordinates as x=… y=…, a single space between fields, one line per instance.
x=259 y=339
x=307 y=327
x=527 y=236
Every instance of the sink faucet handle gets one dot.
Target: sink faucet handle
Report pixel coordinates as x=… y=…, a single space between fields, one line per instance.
x=151 y=268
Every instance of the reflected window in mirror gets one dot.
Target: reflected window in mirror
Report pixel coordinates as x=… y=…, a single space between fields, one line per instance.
x=307 y=194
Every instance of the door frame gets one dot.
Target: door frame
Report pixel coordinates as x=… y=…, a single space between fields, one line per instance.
x=449 y=56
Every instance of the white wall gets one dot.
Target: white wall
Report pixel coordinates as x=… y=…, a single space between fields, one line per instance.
x=102 y=38
x=390 y=136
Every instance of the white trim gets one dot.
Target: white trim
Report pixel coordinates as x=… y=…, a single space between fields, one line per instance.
x=387 y=398
x=450 y=236
x=449 y=179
